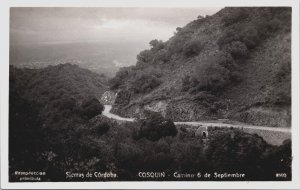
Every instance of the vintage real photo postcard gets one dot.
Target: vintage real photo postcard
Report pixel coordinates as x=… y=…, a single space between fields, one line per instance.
x=133 y=95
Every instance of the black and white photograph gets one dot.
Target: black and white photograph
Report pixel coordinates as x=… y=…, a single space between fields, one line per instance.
x=150 y=94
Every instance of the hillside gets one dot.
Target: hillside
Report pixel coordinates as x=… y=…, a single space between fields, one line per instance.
x=50 y=81
x=55 y=89
x=49 y=110
x=234 y=65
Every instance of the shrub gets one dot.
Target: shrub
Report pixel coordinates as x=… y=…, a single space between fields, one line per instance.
x=224 y=59
x=118 y=80
x=162 y=56
x=100 y=125
x=175 y=45
x=145 y=56
x=144 y=83
x=233 y=150
x=250 y=36
x=103 y=128
x=237 y=15
x=91 y=107
x=217 y=107
x=67 y=104
x=211 y=76
x=123 y=97
x=227 y=37
x=155 y=127
x=235 y=77
x=188 y=82
x=204 y=97
x=268 y=27
x=157 y=44
x=220 y=105
x=237 y=49
x=253 y=33
x=158 y=54
x=195 y=160
x=192 y=48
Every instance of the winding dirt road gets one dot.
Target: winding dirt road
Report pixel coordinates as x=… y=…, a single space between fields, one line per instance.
x=107 y=113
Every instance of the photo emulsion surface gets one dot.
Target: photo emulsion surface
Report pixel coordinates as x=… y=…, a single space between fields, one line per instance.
x=150 y=94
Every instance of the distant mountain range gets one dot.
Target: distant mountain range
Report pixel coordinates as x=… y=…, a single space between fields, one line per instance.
x=102 y=58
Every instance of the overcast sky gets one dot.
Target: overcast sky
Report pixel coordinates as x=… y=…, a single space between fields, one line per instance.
x=60 y=25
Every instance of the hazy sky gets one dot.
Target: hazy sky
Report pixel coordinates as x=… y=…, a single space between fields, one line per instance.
x=59 y=25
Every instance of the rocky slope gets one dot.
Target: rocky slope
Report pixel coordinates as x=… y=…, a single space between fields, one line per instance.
x=235 y=64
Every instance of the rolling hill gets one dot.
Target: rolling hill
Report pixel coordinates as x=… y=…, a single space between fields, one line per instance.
x=55 y=91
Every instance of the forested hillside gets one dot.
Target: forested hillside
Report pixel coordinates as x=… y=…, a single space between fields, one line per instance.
x=235 y=64
x=48 y=111
x=55 y=88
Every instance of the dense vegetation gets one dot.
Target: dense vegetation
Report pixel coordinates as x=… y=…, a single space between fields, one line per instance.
x=155 y=127
x=96 y=143
x=48 y=108
x=236 y=53
x=75 y=137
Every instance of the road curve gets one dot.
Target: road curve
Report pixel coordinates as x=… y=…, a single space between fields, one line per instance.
x=107 y=113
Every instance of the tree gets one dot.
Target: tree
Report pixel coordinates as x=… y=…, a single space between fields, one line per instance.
x=192 y=48
x=156 y=44
x=120 y=77
x=91 y=107
x=145 y=56
x=144 y=83
x=234 y=150
x=237 y=49
x=211 y=76
x=156 y=126
x=100 y=125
